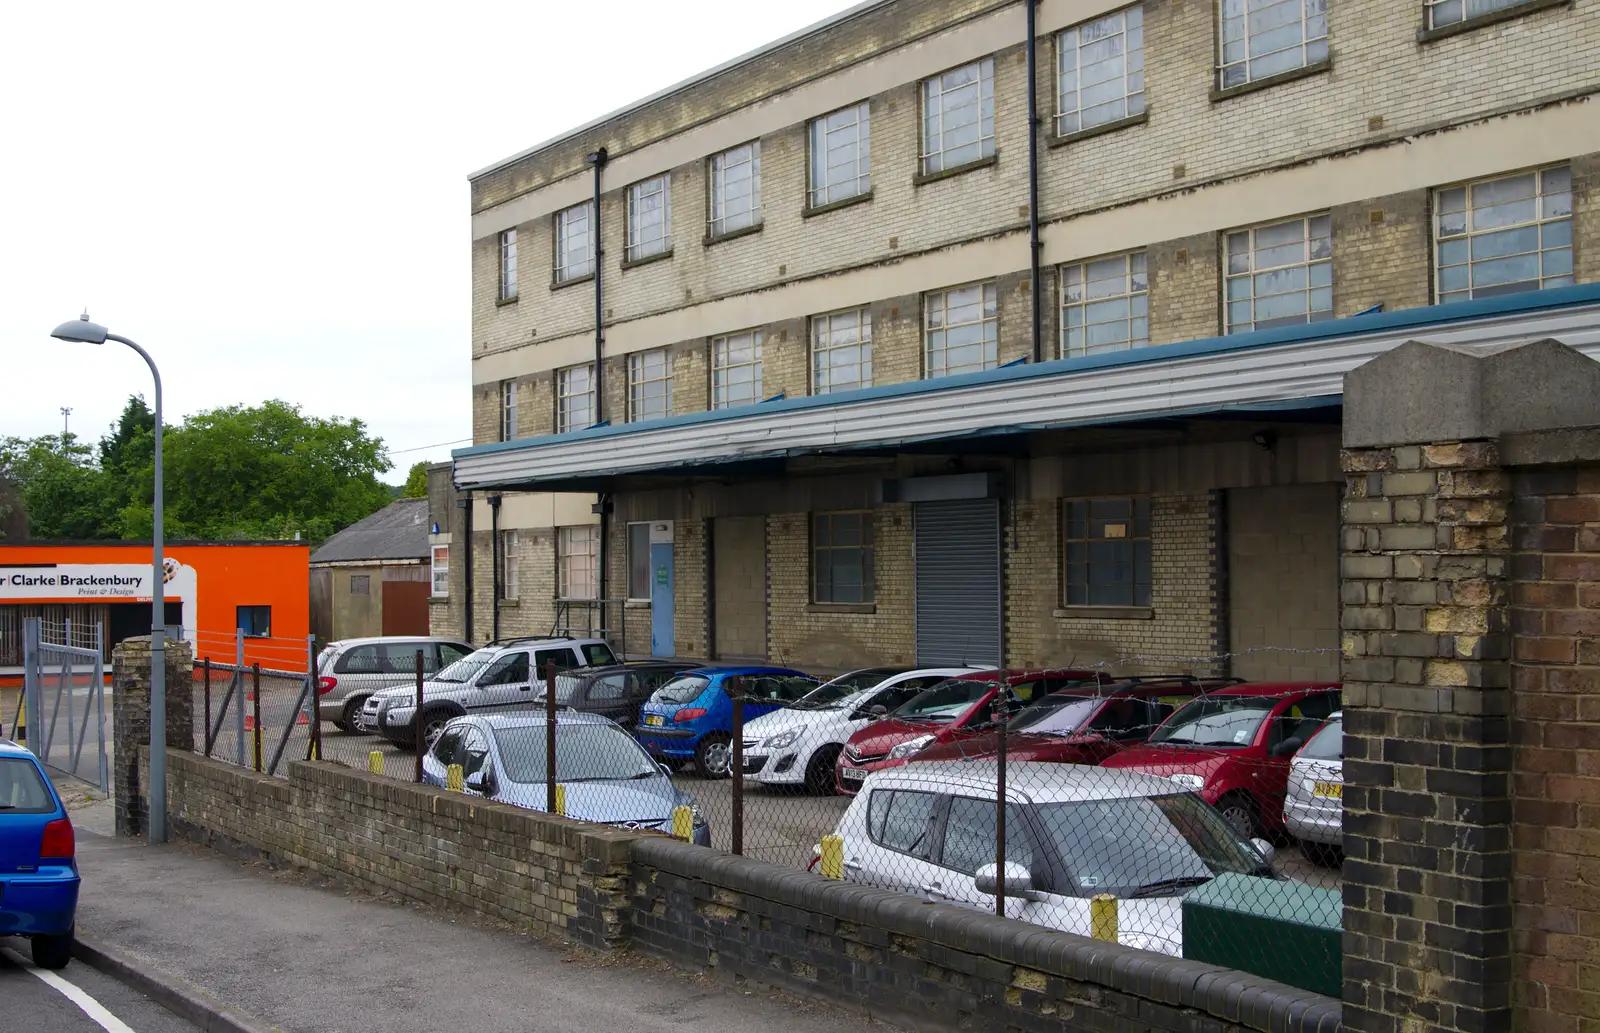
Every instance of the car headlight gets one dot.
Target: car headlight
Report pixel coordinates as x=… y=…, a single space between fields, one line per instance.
x=910 y=746
x=1188 y=781
x=782 y=739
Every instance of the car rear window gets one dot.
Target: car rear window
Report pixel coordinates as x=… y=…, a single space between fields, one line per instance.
x=686 y=689
x=598 y=654
x=1327 y=744
x=23 y=789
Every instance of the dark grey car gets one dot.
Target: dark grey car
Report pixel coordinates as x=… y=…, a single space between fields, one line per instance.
x=617 y=691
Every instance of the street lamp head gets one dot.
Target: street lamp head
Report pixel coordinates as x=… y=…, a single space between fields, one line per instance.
x=82 y=330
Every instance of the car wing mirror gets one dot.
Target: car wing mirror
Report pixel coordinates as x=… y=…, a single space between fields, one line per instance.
x=1265 y=849
x=876 y=711
x=1018 y=880
x=480 y=782
x=666 y=769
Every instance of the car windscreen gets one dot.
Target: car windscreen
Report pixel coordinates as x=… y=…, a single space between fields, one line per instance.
x=584 y=753
x=830 y=693
x=463 y=669
x=22 y=788
x=945 y=701
x=1158 y=845
x=1218 y=722
x=1327 y=744
x=683 y=689
x=1056 y=714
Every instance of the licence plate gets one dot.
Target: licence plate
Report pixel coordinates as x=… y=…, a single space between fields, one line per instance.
x=654 y=720
x=852 y=774
x=1328 y=790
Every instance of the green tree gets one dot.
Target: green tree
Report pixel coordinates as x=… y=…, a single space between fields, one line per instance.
x=416 y=482
x=63 y=490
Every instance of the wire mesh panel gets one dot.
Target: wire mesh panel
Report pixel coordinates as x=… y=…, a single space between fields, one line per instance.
x=63 y=712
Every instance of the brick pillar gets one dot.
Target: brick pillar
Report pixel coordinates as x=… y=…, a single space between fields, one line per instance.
x=130 y=713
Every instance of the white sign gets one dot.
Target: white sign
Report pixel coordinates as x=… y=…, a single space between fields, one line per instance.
x=98 y=582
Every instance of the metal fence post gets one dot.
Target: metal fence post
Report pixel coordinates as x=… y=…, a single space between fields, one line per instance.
x=736 y=767
x=205 y=667
x=100 y=705
x=238 y=677
x=1000 y=803
x=32 y=712
x=69 y=675
x=416 y=722
x=255 y=735
x=313 y=698
x=550 y=736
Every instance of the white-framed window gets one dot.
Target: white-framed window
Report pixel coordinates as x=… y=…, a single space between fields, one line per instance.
x=508 y=410
x=1505 y=235
x=841 y=351
x=1280 y=275
x=736 y=369
x=508 y=264
x=1105 y=305
x=841 y=155
x=1100 y=71
x=440 y=560
x=650 y=217
x=508 y=564
x=961 y=329
x=574 y=398
x=577 y=562
x=575 y=242
x=1261 y=38
x=958 y=117
x=1450 y=12
x=639 y=562
x=735 y=183
x=649 y=385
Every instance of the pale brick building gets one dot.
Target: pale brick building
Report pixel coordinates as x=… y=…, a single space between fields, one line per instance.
x=828 y=430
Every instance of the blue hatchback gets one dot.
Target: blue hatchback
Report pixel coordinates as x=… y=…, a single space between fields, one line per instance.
x=38 y=865
x=690 y=718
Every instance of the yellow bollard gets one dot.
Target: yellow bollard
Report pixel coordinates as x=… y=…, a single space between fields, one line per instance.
x=1103 y=917
x=561 y=799
x=453 y=779
x=375 y=762
x=832 y=864
x=683 y=823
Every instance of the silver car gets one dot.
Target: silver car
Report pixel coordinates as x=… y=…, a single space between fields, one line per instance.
x=350 y=670
x=1314 y=807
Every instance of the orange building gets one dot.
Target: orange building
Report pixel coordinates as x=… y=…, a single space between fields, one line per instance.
x=211 y=589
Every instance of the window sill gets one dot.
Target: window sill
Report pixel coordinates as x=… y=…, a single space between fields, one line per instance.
x=972 y=166
x=508 y=604
x=634 y=263
x=718 y=238
x=1321 y=67
x=501 y=302
x=1100 y=130
x=1106 y=613
x=1471 y=24
x=841 y=607
x=556 y=285
x=636 y=604
x=438 y=600
x=833 y=206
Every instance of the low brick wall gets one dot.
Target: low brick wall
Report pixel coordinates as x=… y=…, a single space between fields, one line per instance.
x=552 y=877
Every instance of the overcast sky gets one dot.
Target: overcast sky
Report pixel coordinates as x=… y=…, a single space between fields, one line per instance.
x=272 y=198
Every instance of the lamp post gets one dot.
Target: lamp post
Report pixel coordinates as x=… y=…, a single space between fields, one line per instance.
x=82 y=330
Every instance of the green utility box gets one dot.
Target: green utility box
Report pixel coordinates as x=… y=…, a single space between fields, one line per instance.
x=1272 y=928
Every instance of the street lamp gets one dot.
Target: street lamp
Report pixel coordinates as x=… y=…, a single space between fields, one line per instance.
x=82 y=330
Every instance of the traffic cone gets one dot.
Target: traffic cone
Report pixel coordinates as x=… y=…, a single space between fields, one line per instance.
x=249 y=722
x=302 y=719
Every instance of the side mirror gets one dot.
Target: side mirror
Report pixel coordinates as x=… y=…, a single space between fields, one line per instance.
x=666 y=769
x=1288 y=746
x=1265 y=849
x=1018 y=880
x=876 y=711
x=480 y=782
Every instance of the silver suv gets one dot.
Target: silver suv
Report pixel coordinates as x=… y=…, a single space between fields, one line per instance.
x=494 y=678
x=350 y=670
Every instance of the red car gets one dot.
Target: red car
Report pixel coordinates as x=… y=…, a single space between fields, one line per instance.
x=954 y=709
x=1084 y=725
x=1233 y=747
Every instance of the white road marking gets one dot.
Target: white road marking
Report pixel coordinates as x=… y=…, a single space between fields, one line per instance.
x=74 y=993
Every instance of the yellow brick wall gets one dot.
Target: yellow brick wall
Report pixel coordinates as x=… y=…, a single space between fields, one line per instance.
x=689 y=587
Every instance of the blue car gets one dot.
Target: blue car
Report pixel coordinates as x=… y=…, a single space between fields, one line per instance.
x=38 y=859
x=690 y=718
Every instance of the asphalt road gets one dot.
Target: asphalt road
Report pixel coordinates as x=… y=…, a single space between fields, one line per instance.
x=62 y=1002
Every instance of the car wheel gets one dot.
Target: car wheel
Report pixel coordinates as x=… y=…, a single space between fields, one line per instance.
x=352 y=713
x=433 y=722
x=820 y=779
x=1322 y=855
x=1240 y=812
x=713 y=757
x=52 y=952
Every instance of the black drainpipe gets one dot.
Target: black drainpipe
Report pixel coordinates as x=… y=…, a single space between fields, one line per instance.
x=465 y=555
x=494 y=573
x=1033 y=181
x=598 y=160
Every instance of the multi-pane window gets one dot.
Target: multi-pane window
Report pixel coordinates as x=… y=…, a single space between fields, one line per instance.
x=958 y=117
x=840 y=155
x=1449 y=12
x=649 y=385
x=360 y=584
x=575 y=242
x=441 y=571
x=736 y=189
x=1105 y=305
x=841 y=351
x=1100 y=71
x=1505 y=235
x=961 y=329
x=508 y=564
x=1280 y=275
x=508 y=264
x=736 y=369
x=1106 y=552
x=574 y=398
x=638 y=561
x=841 y=558
x=577 y=562
x=1261 y=38
x=650 y=217
x=508 y=410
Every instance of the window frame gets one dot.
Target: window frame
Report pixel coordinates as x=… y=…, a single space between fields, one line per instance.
x=636 y=367
x=629 y=557
x=717 y=219
x=989 y=295
x=365 y=582
x=1468 y=235
x=635 y=248
x=440 y=572
x=935 y=822
x=562 y=270
x=508 y=410
x=565 y=566
x=510 y=543
x=865 y=548
x=571 y=404
x=1309 y=263
x=1314 y=50
x=1132 y=538
x=987 y=148
x=719 y=393
x=1432 y=29
x=1136 y=300
x=1130 y=98
x=830 y=193
x=254 y=610
x=822 y=324
x=507 y=265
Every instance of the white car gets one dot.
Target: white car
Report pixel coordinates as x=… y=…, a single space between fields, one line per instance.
x=1313 y=810
x=798 y=744
x=1073 y=833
